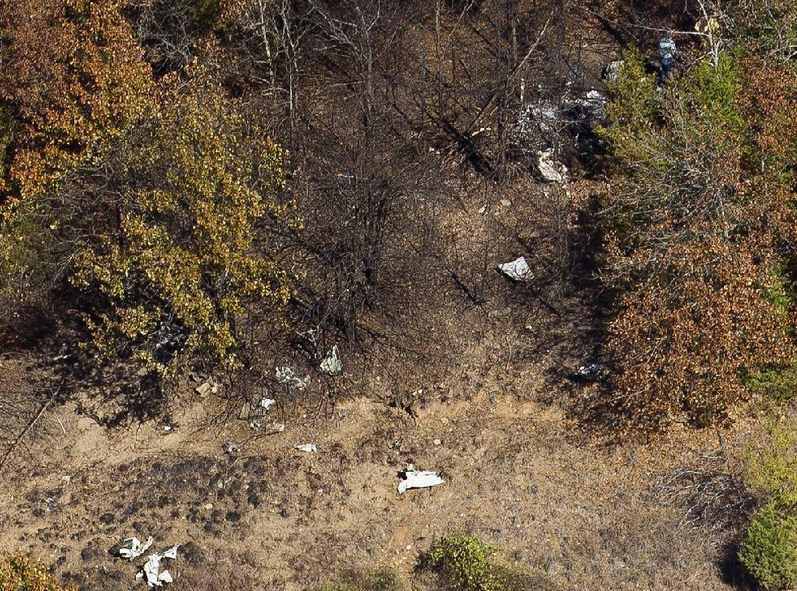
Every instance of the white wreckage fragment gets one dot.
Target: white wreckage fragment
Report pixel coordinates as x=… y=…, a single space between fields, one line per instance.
x=612 y=70
x=332 y=364
x=287 y=377
x=550 y=171
x=269 y=429
x=418 y=479
x=517 y=269
x=132 y=548
x=250 y=410
x=151 y=571
x=310 y=448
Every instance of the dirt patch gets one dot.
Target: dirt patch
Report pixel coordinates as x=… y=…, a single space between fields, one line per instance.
x=517 y=473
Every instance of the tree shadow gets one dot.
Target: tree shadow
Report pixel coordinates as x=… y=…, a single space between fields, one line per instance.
x=731 y=569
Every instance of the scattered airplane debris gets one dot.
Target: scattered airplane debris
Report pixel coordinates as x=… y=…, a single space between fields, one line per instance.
x=550 y=171
x=250 y=411
x=270 y=429
x=132 y=548
x=208 y=386
x=333 y=364
x=418 y=479
x=517 y=269
x=590 y=372
x=151 y=571
x=287 y=377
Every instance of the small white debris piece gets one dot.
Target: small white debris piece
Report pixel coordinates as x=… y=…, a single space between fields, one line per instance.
x=273 y=429
x=267 y=403
x=270 y=429
x=133 y=548
x=414 y=479
x=230 y=448
x=550 y=171
x=593 y=104
x=332 y=364
x=612 y=70
x=151 y=571
x=208 y=386
x=517 y=269
x=310 y=448
x=287 y=377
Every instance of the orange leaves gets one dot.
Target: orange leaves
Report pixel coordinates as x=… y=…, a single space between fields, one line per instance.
x=694 y=234
x=74 y=80
x=685 y=338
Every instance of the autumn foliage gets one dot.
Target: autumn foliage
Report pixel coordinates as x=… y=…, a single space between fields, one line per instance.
x=142 y=190
x=698 y=236
x=178 y=256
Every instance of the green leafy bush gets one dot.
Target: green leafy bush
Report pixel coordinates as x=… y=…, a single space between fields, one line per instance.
x=465 y=563
x=778 y=384
x=769 y=549
x=22 y=573
x=773 y=469
x=713 y=90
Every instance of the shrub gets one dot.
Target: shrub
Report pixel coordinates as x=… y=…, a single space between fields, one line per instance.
x=465 y=563
x=180 y=254
x=772 y=26
x=769 y=548
x=73 y=82
x=690 y=241
x=21 y=573
x=773 y=470
x=778 y=384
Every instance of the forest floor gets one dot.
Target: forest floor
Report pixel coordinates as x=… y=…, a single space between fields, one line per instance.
x=522 y=469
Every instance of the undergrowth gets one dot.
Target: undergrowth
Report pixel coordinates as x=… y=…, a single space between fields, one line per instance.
x=22 y=573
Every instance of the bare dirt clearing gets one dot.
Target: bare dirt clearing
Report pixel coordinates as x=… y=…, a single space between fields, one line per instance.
x=518 y=473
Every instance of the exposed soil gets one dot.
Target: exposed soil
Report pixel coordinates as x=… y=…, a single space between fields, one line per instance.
x=517 y=473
